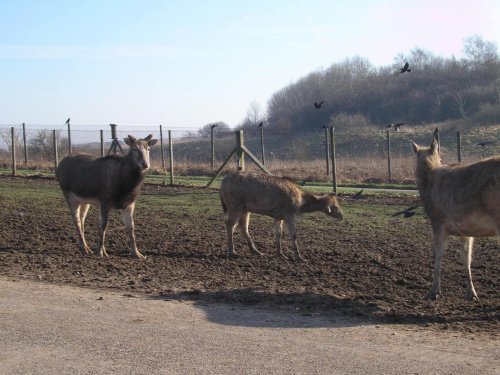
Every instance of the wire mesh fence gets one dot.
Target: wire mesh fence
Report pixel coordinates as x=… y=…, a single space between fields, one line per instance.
x=362 y=156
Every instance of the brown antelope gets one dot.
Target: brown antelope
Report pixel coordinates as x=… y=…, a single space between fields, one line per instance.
x=112 y=182
x=460 y=200
x=277 y=197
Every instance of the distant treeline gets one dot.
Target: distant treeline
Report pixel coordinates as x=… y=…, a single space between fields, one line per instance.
x=356 y=93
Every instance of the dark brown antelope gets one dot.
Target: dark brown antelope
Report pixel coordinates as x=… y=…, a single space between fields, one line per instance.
x=460 y=200
x=112 y=182
x=277 y=197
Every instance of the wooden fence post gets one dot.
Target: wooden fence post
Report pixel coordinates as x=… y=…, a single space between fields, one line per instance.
x=54 y=136
x=171 y=151
x=389 y=155
x=334 y=164
x=240 y=155
x=102 y=143
x=459 y=146
x=70 y=149
x=327 y=153
x=25 y=145
x=212 y=146
x=262 y=145
x=162 y=151
x=14 y=169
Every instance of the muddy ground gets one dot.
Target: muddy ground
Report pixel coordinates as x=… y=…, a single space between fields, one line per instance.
x=378 y=277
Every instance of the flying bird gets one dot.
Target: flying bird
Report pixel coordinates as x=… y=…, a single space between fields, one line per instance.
x=482 y=144
x=318 y=106
x=260 y=125
x=405 y=68
x=409 y=212
x=67 y=121
x=396 y=126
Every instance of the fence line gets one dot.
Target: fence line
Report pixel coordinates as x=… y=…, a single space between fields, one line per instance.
x=292 y=153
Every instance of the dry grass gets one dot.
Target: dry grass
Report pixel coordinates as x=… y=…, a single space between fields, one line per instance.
x=349 y=170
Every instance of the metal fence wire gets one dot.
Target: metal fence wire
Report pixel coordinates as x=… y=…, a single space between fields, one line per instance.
x=368 y=155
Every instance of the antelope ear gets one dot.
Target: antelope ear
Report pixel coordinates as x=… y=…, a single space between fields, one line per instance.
x=414 y=146
x=148 y=138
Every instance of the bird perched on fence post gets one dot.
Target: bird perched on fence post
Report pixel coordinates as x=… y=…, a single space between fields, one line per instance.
x=261 y=124
x=67 y=121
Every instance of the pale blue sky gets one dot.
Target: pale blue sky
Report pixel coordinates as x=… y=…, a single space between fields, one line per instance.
x=190 y=63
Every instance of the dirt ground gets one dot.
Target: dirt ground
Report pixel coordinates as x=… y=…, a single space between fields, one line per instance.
x=375 y=277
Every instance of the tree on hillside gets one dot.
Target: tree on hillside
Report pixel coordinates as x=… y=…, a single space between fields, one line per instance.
x=206 y=130
x=437 y=89
x=253 y=118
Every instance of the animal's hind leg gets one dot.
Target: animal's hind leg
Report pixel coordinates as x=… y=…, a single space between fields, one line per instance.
x=232 y=219
x=466 y=252
x=76 y=213
x=103 y=225
x=440 y=245
x=84 y=208
x=243 y=222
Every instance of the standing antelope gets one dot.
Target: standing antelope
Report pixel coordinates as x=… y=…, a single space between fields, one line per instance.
x=460 y=200
x=112 y=182
x=277 y=197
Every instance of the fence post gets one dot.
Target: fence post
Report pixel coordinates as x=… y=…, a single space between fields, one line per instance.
x=212 y=146
x=389 y=155
x=262 y=145
x=14 y=169
x=25 y=145
x=70 y=150
x=102 y=143
x=327 y=148
x=334 y=165
x=459 y=146
x=240 y=155
x=161 y=148
x=54 y=136
x=171 y=151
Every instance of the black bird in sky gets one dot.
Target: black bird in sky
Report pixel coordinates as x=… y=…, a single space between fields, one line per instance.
x=67 y=121
x=482 y=144
x=396 y=126
x=260 y=125
x=318 y=106
x=405 y=68
x=409 y=212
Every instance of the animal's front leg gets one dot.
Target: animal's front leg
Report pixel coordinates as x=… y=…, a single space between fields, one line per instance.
x=128 y=218
x=292 y=232
x=103 y=225
x=277 y=234
x=440 y=245
x=466 y=252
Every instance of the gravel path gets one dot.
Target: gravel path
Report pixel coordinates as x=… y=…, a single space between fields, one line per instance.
x=52 y=329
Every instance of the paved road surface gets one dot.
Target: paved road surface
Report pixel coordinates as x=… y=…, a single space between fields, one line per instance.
x=50 y=329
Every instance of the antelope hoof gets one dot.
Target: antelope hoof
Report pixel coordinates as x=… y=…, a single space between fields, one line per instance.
x=255 y=251
x=86 y=250
x=138 y=255
x=103 y=253
x=300 y=259
x=431 y=296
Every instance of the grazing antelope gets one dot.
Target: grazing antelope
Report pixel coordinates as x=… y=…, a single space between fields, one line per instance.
x=112 y=182
x=460 y=200
x=277 y=197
